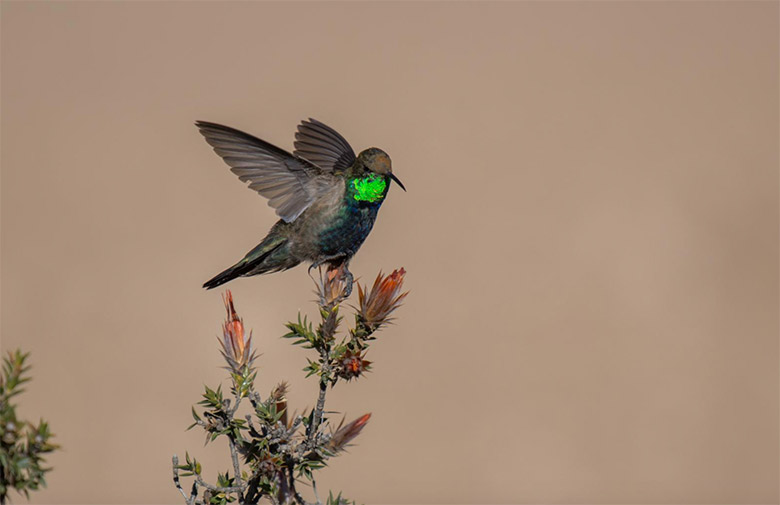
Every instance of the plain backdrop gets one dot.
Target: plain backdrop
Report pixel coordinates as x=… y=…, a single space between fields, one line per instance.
x=590 y=231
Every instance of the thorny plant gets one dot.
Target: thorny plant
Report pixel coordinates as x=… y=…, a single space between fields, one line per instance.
x=273 y=452
x=22 y=444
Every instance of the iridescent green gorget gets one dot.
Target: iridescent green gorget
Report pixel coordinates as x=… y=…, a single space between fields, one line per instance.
x=370 y=188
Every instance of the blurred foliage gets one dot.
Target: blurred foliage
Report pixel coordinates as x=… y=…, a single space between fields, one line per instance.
x=22 y=443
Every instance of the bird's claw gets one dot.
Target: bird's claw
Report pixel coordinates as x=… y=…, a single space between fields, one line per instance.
x=346 y=275
x=348 y=279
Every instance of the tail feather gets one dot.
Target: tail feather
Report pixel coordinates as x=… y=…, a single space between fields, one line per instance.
x=231 y=273
x=252 y=262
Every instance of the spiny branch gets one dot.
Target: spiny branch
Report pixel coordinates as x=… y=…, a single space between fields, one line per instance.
x=269 y=441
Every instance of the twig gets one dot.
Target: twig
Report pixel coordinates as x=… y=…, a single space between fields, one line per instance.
x=274 y=448
x=315 y=424
x=236 y=467
x=236 y=404
x=254 y=398
x=325 y=361
x=217 y=489
x=188 y=499
x=296 y=422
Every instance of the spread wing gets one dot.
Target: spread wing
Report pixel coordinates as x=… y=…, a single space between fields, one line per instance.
x=290 y=183
x=323 y=146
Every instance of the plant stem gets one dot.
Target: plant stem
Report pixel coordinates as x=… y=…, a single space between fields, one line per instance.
x=318 y=410
x=187 y=499
x=236 y=467
x=217 y=489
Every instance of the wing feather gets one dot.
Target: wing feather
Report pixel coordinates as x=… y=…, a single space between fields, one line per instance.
x=289 y=182
x=323 y=146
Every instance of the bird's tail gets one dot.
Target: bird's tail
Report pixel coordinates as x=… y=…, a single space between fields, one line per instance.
x=231 y=273
x=253 y=262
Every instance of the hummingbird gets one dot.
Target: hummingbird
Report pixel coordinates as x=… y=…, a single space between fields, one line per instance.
x=327 y=198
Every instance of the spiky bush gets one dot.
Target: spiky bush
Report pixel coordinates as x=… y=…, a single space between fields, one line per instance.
x=22 y=443
x=272 y=452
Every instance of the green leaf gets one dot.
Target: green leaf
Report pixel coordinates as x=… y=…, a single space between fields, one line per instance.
x=302 y=333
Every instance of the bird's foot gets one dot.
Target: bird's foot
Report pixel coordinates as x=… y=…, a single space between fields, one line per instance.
x=337 y=269
x=348 y=280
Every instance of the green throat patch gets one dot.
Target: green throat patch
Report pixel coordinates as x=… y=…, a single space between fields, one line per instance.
x=369 y=188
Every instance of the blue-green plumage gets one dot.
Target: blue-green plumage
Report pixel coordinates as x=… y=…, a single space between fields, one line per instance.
x=327 y=197
x=351 y=223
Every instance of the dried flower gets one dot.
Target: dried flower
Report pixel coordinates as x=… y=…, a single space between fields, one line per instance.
x=331 y=287
x=377 y=304
x=268 y=464
x=343 y=435
x=350 y=364
x=236 y=345
x=279 y=393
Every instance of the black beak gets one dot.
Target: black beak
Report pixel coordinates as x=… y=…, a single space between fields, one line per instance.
x=397 y=181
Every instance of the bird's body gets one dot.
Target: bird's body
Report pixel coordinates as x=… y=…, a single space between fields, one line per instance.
x=327 y=198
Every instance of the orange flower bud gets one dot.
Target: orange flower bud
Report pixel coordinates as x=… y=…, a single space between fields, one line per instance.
x=331 y=287
x=377 y=304
x=343 y=435
x=236 y=345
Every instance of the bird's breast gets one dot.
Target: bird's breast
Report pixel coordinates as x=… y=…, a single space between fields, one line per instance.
x=348 y=229
x=336 y=224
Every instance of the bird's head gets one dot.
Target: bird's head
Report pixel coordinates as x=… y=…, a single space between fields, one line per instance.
x=377 y=161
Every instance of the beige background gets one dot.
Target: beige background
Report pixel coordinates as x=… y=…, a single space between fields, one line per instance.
x=591 y=235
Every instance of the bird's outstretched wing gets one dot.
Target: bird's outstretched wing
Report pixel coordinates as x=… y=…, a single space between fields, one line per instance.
x=323 y=146
x=290 y=183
